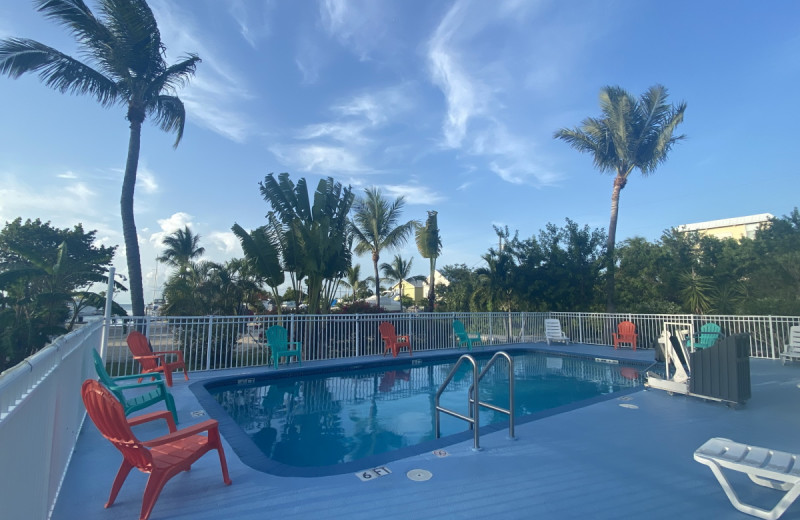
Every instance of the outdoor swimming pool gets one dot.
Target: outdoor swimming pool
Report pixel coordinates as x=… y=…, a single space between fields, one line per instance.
x=335 y=422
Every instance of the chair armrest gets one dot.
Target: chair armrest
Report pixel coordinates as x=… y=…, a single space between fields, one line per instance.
x=143 y=384
x=404 y=337
x=189 y=431
x=154 y=416
x=299 y=345
x=163 y=353
x=138 y=376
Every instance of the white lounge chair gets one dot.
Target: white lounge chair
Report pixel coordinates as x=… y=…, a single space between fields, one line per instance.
x=792 y=350
x=769 y=468
x=553 y=332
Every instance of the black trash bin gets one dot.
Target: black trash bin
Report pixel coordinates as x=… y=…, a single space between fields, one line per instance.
x=722 y=371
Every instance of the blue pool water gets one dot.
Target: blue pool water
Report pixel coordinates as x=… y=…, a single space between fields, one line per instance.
x=331 y=419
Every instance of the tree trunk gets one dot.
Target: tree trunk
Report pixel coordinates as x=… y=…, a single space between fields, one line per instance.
x=431 y=285
x=619 y=183
x=375 y=258
x=128 y=223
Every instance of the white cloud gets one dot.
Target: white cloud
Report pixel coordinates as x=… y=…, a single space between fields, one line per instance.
x=414 y=194
x=253 y=18
x=64 y=204
x=168 y=226
x=359 y=25
x=146 y=180
x=226 y=242
x=319 y=159
x=211 y=96
x=67 y=175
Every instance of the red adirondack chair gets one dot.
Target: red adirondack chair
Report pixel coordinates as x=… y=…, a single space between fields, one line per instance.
x=163 y=457
x=155 y=361
x=393 y=342
x=626 y=333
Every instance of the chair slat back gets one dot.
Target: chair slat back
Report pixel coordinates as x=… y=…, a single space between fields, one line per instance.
x=459 y=329
x=626 y=329
x=139 y=346
x=794 y=338
x=387 y=331
x=108 y=416
x=277 y=336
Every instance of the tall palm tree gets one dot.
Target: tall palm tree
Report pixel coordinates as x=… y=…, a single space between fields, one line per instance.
x=125 y=66
x=631 y=133
x=429 y=244
x=352 y=279
x=376 y=227
x=182 y=247
x=399 y=270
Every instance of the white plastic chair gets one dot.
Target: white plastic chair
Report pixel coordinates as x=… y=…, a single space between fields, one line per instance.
x=792 y=350
x=768 y=468
x=553 y=332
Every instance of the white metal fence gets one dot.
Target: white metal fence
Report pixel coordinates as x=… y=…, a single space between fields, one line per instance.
x=215 y=342
x=40 y=416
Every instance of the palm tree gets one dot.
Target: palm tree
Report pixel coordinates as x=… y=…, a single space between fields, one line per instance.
x=126 y=66
x=375 y=228
x=182 y=247
x=263 y=254
x=398 y=270
x=314 y=237
x=630 y=134
x=352 y=279
x=429 y=244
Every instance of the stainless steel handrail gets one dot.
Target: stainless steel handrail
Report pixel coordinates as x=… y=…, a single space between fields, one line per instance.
x=510 y=410
x=473 y=419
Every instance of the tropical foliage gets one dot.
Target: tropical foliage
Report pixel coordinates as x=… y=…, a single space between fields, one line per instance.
x=429 y=244
x=46 y=276
x=124 y=65
x=631 y=134
x=397 y=272
x=181 y=248
x=376 y=226
x=313 y=238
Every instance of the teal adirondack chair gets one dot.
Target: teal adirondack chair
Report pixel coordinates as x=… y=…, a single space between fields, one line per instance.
x=139 y=401
x=709 y=333
x=463 y=336
x=278 y=342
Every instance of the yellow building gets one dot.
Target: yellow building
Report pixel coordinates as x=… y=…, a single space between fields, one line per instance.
x=417 y=290
x=736 y=228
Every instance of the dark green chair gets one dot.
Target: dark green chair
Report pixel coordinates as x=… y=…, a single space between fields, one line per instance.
x=139 y=401
x=709 y=334
x=463 y=337
x=279 y=344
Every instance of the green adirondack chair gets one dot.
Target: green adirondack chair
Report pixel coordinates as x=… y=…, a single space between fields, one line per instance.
x=277 y=339
x=139 y=401
x=709 y=334
x=463 y=337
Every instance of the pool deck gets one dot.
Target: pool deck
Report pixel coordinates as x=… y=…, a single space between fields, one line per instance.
x=602 y=461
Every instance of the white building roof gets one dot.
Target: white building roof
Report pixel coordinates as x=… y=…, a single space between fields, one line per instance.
x=726 y=222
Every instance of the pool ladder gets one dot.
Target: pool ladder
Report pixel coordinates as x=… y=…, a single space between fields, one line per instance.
x=473 y=396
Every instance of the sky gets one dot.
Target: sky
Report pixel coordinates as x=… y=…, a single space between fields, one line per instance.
x=451 y=104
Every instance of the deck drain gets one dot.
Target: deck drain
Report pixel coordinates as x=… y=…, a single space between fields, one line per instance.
x=625 y=398
x=199 y=413
x=419 y=475
x=629 y=406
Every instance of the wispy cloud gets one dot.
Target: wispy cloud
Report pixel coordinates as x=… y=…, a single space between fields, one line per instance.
x=319 y=159
x=211 y=97
x=253 y=18
x=359 y=25
x=414 y=194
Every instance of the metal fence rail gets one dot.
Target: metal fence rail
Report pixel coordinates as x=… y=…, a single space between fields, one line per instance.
x=216 y=342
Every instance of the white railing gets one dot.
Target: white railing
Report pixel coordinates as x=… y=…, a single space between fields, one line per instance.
x=215 y=342
x=40 y=416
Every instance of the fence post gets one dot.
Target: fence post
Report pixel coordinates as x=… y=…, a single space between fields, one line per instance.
x=208 y=344
x=358 y=334
x=771 y=338
x=580 y=327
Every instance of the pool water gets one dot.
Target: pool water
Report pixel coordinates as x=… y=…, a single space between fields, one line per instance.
x=333 y=418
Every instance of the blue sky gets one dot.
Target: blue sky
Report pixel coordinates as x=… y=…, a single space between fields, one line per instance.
x=452 y=104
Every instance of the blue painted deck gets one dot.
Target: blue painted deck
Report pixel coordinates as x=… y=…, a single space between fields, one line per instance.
x=602 y=461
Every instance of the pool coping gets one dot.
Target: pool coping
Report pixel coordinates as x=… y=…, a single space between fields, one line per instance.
x=247 y=451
